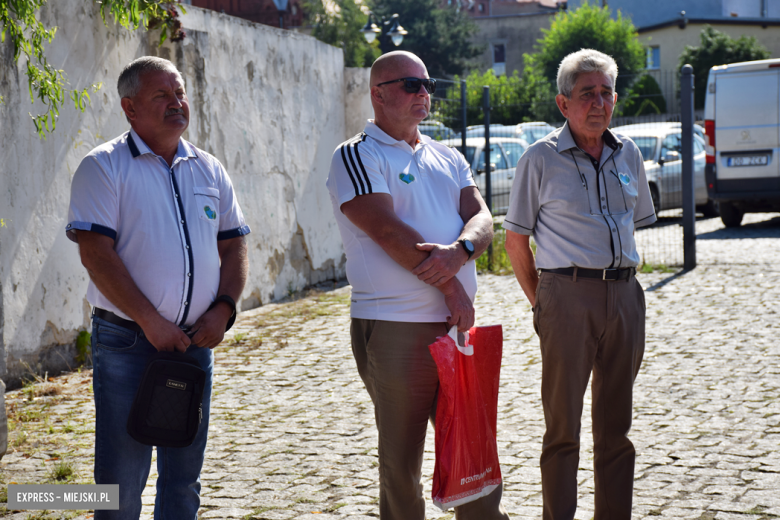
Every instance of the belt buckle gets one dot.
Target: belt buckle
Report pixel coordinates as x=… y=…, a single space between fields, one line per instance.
x=604 y=275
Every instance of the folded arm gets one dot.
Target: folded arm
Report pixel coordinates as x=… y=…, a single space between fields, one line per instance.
x=374 y=215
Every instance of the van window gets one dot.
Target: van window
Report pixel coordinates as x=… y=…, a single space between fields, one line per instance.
x=672 y=143
x=513 y=152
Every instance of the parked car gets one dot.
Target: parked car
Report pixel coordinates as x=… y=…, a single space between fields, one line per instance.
x=504 y=154
x=436 y=130
x=528 y=132
x=661 y=147
x=742 y=123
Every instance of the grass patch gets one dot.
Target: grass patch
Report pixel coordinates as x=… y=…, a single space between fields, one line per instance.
x=62 y=471
x=661 y=268
x=501 y=263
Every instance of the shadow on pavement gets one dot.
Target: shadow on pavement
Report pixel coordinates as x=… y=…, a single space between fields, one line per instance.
x=661 y=283
x=764 y=229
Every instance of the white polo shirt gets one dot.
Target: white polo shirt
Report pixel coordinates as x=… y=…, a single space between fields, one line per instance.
x=425 y=183
x=165 y=221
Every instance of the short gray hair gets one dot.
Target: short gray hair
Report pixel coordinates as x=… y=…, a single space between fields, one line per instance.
x=129 y=83
x=582 y=62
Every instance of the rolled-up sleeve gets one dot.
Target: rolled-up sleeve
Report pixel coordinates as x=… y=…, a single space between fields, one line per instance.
x=524 y=197
x=93 y=200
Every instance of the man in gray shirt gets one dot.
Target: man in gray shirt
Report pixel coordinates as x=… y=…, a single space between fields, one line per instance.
x=582 y=191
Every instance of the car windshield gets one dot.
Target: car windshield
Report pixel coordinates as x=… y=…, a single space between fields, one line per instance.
x=534 y=134
x=646 y=146
x=469 y=153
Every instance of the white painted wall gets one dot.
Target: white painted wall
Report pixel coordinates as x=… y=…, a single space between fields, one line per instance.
x=270 y=104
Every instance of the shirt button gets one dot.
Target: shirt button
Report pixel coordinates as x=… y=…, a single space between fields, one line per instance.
x=603 y=207
x=190 y=274
x=187 y=247
x=613 y=230
x=176 y=195
x=186 y=303
x=602 y=198
x=182 y=221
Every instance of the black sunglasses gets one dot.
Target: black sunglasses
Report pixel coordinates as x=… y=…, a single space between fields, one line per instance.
x=412 y=85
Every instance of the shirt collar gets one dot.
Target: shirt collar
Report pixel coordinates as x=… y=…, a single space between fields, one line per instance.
x=566 y=140
x=139 y=147
x=377 y=133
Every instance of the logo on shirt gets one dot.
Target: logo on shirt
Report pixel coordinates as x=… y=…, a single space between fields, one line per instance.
x=210 y=213
x=624 y=178
x=408 y=178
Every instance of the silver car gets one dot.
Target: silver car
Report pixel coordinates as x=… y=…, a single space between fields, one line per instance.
x=660 y=144
x=504 y=154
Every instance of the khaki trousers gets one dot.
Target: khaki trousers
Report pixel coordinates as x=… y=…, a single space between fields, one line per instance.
x=400 y=375
x=588 y=325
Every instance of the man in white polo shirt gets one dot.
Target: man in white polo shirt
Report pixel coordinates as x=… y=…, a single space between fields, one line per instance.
x=161 y=235
x=412 y=222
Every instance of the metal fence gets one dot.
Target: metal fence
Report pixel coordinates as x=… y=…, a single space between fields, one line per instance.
x=476 y=118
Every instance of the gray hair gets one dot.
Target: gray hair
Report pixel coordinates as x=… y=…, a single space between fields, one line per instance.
x=129 y=83
x=582 y=62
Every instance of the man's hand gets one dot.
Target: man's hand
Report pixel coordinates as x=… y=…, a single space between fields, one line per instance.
x=442 y=264
x=166 y=336
x=209 y=329
x=459 y=304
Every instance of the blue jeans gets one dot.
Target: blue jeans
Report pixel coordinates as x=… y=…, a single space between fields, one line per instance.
x=119 y=357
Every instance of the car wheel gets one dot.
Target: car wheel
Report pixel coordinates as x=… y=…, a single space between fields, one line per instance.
x=710 y=209
x=655 y=198
x=731 y=215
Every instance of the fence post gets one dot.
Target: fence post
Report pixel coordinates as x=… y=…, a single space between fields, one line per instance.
x=464 y=115
x=689 y=199
x=486 y=151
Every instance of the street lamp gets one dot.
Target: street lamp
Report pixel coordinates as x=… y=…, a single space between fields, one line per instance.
x=393 y=31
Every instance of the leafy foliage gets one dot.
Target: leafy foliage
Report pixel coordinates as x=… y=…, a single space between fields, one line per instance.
x=341 y=28
x=718 y=48
x=645 y=97
x=591 y=27
x=439 y=35
x=19 y=21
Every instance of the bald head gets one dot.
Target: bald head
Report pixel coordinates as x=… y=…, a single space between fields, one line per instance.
x=388 y=66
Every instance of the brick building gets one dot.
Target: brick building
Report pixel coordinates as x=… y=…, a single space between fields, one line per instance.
x=261 y=11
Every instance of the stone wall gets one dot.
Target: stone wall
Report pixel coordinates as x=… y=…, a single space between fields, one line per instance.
x=272 y=105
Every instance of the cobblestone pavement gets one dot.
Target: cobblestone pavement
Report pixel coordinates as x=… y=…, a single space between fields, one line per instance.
x=292 y=432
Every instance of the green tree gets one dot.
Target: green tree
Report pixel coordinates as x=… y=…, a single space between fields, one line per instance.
x=718 y=48
x=341 y=27
x=588 y=27
x=19 y=21
x=645 y=97
x=439 y=35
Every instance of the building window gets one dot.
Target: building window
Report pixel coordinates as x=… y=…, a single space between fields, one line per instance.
x=499 y=59
x=653 y=58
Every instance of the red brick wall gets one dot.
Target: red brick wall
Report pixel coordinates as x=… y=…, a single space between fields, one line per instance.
x=260 y=11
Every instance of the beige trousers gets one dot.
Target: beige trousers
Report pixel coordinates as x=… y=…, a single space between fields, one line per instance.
x=400 y=375
x=588 y=325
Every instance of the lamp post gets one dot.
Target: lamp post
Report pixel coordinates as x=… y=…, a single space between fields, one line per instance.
x=391 y=31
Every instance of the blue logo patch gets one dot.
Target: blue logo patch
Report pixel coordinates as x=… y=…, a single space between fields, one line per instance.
x=624 y=178
x=210 y=213
x=408 y=178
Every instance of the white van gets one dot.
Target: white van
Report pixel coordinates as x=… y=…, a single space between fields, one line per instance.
x=742 y=126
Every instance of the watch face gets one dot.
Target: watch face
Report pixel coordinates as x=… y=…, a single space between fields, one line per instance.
x=468 y=246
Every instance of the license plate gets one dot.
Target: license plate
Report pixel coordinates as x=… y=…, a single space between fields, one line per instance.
x=749 y=160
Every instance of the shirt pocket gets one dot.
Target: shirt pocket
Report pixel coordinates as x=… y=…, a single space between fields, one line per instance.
x=622 y=191
x=207 y=202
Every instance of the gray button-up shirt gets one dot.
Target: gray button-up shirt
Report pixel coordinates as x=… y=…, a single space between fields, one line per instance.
x=581 y=212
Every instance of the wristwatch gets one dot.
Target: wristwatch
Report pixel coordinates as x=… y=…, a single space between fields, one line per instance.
x=232 y=303
x=468 y=246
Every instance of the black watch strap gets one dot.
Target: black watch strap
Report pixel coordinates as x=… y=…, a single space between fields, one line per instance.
x=230 y=301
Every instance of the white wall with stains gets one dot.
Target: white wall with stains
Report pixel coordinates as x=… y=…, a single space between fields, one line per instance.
x=272 y=105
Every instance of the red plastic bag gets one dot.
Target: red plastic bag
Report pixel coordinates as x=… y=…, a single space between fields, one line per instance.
x=466 y=453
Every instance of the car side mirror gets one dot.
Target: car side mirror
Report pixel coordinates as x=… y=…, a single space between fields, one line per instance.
x=492 y=168
x=671 y=155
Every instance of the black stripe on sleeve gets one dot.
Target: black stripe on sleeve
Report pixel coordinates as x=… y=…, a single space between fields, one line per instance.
x=363 y=168
x=350 y=146
x=346 y=165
